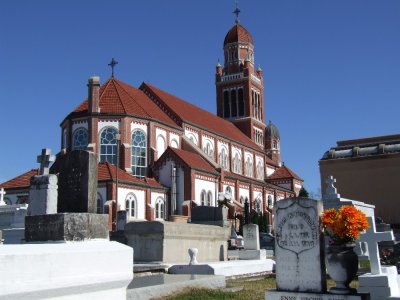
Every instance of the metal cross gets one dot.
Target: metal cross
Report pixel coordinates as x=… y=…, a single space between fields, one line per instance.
x=237 y=12
x=2 y=193
x=371 y=238
x=112 y=65
x=45 y=159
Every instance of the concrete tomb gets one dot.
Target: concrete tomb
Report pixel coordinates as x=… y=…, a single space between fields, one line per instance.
x=12 y=223
x=209 y=215
x=167 y=242
x=77 y=182
x=382 y=282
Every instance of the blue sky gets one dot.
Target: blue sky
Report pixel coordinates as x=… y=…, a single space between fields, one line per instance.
x=331 y=68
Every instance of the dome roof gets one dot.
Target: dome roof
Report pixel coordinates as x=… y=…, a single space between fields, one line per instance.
x=238 y=34
x=271 y=131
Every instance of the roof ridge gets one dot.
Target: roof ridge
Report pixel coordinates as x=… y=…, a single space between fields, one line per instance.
x=121 y=85
x=119 y=96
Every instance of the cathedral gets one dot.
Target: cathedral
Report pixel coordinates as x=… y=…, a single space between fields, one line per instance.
x=160 y=155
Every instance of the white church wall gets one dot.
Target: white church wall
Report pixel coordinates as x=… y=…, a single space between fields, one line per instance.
x=140 y=126
x=103 y=124
x=173 y=140
x=161 y=141
x=244 y=193
x=192 y=135
x=79 y=124
x=201 y=184
x=269 y=171
x=232 y=189
x=140 y=201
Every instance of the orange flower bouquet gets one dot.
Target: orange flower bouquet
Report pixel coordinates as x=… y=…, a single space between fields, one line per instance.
x=344 y=225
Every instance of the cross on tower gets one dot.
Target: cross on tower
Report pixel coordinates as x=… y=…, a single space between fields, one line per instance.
x=45 y=159
x=2 y=193
x=112 y=65
x=371 y=238
x=330 y=191
x=237 y=12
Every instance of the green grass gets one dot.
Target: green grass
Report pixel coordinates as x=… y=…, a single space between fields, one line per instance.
x=253 y=289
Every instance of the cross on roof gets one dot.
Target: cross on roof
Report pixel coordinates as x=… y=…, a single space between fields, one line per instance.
x=112 y=65
x=330 y=191
x=2 y=193
x=237 y=12
x=371 y=238
x=45 y=159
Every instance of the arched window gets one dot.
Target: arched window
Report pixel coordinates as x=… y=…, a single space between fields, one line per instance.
x=174 y=144
x=227 y=112
x=274 y=144
x=139 y=154
x=270 y=202
x=161 y=145
x=108 y=145
x=233 y=103
x=209 y=198
x=260 y=170
x=100 y=203
x=257 y=204
x=223 y=159
x=249 y=167
x=208 y=150
x=241 y=199
x=160 y=209
x=241 y=102
x=130 y=206
x=237 y=164
x=7 y=201
x=203 y=198
x=228 y=190
x=80 y=139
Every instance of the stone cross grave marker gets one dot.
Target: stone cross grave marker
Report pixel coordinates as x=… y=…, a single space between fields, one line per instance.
x=331 y=191
x=45 y=159
x=300 y=263
x=371 y=238
x=2 y=193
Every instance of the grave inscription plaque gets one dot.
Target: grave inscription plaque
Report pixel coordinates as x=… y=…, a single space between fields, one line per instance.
x=300 y=265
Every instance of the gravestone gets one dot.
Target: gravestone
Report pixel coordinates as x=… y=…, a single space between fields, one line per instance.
x=381 y=283
x=251 y=237
x=300 y=264
x=77 y=182
x=209 y=215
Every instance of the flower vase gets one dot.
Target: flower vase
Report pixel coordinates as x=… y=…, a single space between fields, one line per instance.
x=342 y=266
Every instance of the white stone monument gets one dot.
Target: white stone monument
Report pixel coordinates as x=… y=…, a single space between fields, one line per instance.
x=251 y=237
x=43 y=191
x=381 y=283
x=2 y=193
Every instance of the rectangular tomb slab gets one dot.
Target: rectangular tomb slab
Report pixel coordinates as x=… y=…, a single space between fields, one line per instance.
x=299 y=252
x=66 y=227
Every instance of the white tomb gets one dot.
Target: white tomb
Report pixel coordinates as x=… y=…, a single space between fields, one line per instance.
x=74 y=270
x=382 y=282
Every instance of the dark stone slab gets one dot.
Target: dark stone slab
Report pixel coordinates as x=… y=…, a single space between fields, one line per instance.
x=66 y=227
x=77 y=182
x=209 y=215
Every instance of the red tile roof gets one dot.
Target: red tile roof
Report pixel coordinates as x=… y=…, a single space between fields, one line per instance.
x=238 y=34
x=107 y=171
x=190 y=159
x=197 y=116
x=117 y=97
x=21 y=181
x=284 y=172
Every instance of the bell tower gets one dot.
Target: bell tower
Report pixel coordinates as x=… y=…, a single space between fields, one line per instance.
x=240 y=87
